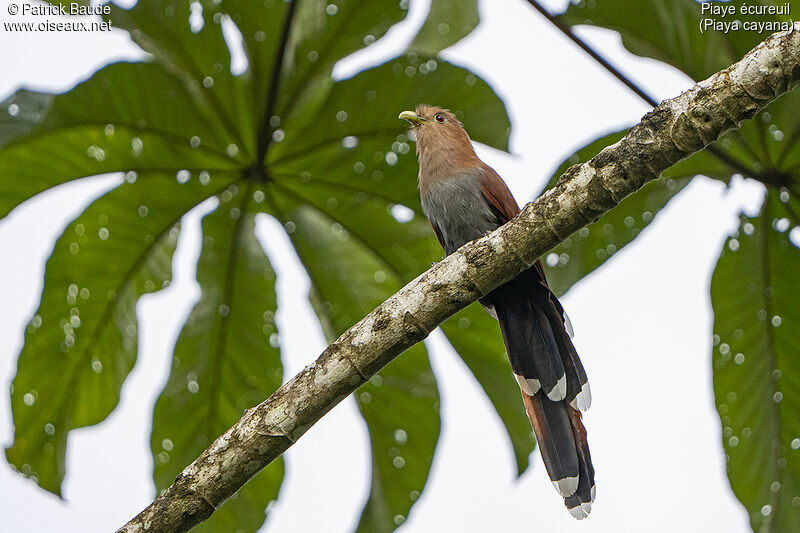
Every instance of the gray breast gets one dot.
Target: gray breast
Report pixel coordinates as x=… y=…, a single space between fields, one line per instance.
x=457 y=207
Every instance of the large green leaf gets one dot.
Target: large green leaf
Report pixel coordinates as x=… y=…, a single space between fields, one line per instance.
x=762 y=149
x=587 y=249
x=21 y=113
x=448 y=22
x=81 y=343
x=330 y=159
x=105 y=124
x=198 y=59
x=476 y=337
x=354 y=131
x=682 y=40
x=400 y=404
x=757 y=150
x=356 y=206
x=226 y=358
x=102 y=125
x=756 y=369
x=753 y=276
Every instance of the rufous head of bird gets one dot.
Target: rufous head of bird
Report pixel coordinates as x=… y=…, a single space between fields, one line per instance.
x=443 y=147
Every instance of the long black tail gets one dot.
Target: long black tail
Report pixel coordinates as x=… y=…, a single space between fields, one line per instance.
x=553 y=382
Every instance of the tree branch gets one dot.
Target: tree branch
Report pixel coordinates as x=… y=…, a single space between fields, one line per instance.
x=673 y=131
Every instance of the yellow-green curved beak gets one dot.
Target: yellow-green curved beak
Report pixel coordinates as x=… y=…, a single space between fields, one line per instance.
x=412 y=117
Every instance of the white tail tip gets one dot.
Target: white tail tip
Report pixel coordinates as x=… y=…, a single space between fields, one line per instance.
x=583 y=400
x=568 y=325
x=566 y=486
x=580 y=512
x=559 y=391
x=529 y=386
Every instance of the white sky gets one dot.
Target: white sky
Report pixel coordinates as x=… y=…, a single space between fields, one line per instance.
x=643 y=322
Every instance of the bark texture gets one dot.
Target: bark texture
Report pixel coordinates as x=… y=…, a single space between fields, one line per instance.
x=674 y=130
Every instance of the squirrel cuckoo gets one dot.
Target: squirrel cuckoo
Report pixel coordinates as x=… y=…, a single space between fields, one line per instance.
x=464 y=199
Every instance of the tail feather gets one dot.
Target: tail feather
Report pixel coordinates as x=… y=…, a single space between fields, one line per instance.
x=577 y=391
x=579 y=395
x=580 y=503
x=542 y=356
x=553 y=430
x=548 y=360
x=532 y=345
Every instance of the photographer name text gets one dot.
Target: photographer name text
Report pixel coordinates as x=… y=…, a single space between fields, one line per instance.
x=54 y=10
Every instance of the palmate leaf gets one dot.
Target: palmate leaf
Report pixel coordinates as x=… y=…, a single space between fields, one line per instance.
x=281 y=137
x=448 y=22
x=679 y=40
x=400 y=404
x=354 y=206
x=761 y=472
x=587 y=249
x=756 y=369
x=82 y=341
x=226 y=358
x=476 y=337
x=756 y=149
x=133 y=130
x=761 y=149
x=102 y=125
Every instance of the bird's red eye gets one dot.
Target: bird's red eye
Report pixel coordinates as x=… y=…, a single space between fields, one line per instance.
x=439 y=117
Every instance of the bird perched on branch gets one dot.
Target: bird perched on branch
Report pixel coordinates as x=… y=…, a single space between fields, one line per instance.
x=465 y=199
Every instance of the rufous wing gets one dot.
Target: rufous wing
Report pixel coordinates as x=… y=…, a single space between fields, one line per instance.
x=496 y=193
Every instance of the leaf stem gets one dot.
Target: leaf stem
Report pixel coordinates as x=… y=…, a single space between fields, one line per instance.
x=265 y=130
x=287 y=158
x=227 y=299
x=301 y=199
x=771 y=352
